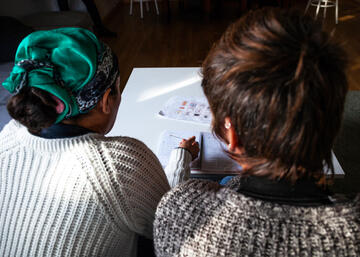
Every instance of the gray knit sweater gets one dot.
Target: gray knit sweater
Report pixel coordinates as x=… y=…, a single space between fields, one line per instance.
x=200 y=218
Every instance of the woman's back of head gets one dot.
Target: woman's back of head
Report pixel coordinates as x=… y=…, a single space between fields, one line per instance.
x=59 y=74
x=281 y=80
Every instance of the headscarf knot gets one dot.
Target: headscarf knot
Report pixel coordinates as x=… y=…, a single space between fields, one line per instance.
x=26 y=66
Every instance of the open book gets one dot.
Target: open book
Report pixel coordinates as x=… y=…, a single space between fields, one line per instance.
x=212 y=157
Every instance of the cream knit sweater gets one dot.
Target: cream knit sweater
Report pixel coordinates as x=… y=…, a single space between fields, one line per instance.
x=81 y=196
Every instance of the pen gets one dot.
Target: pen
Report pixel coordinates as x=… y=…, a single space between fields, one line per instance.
x=176 y=137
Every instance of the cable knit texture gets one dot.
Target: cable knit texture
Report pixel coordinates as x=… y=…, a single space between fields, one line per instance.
x=200 y=218
x=178 y=168
x=81 y=196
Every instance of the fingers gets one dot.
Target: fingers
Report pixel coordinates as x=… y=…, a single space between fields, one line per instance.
x=195 y=143
x=190 y=142
x=191 y=139
x=191 y=145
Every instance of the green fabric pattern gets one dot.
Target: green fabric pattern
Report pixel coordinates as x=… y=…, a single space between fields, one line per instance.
x=72 y=53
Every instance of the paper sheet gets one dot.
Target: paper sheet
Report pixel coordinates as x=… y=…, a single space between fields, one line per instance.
x=214 y=157
x=170 y=140
x=194 y=109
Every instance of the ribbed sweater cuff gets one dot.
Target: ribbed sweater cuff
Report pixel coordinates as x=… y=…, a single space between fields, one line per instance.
x=178 y=168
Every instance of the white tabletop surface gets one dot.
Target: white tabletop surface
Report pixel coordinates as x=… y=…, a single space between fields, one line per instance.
x=145 y=93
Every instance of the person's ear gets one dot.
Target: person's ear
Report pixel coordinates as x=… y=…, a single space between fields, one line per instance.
x=232 y=138
x=106 y=102
x=230 y=134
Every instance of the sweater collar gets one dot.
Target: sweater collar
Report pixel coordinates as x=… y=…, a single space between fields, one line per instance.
x=304 y=192
x=61 y=130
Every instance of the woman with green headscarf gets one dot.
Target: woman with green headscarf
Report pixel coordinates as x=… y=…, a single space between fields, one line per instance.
x=65 y=189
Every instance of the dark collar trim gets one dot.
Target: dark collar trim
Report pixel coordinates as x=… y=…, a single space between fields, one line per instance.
x=303 y=193
x=61 y=130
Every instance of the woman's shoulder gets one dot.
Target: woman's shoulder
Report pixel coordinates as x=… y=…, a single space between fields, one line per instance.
x=124 y=150
x=119 y=141
x=11 y=126
x=222 y=218
x=204 y=196
x=128 y=144
x=196 y=194
x=10 y=133
x=195 y=188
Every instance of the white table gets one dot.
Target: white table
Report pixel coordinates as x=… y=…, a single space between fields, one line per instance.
x=145 y=94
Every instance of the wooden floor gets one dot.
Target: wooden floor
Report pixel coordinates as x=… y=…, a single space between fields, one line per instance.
x=185 y=38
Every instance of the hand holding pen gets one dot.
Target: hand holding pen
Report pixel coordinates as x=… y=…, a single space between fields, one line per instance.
x=191 y=145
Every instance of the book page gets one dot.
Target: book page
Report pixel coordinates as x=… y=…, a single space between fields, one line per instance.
x=170 y=140
x=213 y=156
x=193 y=109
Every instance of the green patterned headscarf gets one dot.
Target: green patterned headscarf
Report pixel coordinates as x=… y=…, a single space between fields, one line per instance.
x=69 y=63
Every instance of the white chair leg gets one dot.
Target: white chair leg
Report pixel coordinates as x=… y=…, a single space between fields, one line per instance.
x=318 y=9
x=337 y=12
x=131 y=6
x=147 y=6
x=325 y=7
x=307 y=6
x=141 y=9
x=156 y=7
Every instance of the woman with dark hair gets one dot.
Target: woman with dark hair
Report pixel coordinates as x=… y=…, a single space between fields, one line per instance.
x=276 y=86
x=65 y=189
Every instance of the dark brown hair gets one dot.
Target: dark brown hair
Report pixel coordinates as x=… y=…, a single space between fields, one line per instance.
x=34 y=108
x=281 y=80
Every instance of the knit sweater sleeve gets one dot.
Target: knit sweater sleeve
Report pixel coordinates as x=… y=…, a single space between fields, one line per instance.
x=179 y=214
x=134 y=184
x=178 y=168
